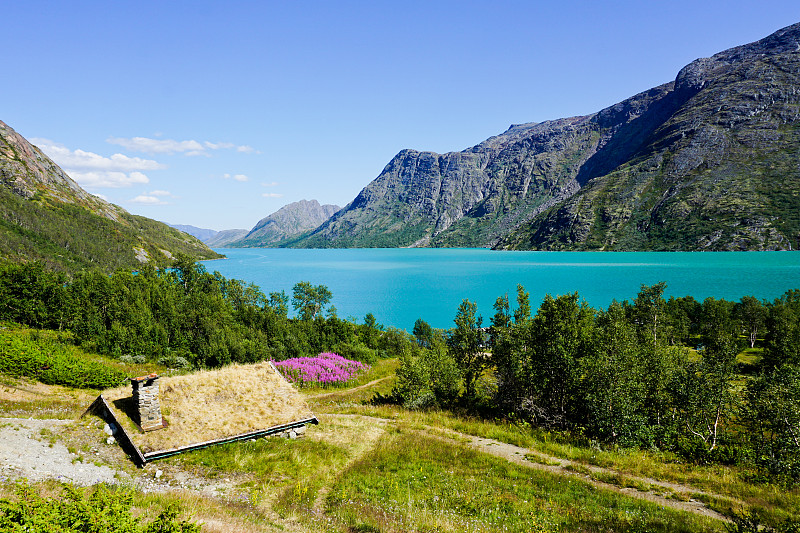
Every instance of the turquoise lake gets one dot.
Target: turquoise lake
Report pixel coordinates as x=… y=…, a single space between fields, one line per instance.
x=400 y=285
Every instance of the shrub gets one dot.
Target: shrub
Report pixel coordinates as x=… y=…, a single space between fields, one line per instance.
x=83 y=511
x=52 y=364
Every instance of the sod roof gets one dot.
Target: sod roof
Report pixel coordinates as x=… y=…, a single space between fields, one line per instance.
x=212 y=405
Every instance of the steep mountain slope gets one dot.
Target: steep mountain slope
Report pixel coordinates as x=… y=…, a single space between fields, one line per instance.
x=46 y=216
x=288 y=223
x=647 y=173
x=721 y=173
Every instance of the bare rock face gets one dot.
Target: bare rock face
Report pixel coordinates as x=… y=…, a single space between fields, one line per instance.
x=290 y=222
x=25 y=170
x=705 y=162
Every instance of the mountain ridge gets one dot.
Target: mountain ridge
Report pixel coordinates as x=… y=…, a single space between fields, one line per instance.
x=529 y=187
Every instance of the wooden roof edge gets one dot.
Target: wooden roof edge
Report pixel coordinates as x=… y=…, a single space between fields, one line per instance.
x=107 y=414
x=161 y=454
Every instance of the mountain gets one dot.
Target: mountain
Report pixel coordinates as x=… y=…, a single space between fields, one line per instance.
x=287 y=224
x=708 y=161
x=211 y=237
x=225 y=237
x=46 y=216
x=201 y=233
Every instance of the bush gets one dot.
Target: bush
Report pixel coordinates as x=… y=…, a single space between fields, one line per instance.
x=137 y=359
x=84 y=511
x=357 y=352
x=428 y=379
x=52 y=364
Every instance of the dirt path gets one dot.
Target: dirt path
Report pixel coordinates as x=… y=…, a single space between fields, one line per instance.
x=563 y=467
x=518 y=455
x=344 y=392
x=27 y=451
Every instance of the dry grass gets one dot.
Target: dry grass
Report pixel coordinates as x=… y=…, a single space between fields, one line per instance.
x=214 y=405
x=23 y=390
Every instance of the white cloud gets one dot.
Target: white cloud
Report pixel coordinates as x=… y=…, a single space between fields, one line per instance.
x=156 y=146
x=237 y=177
x=170 y=146
x=93 y=170
x=272 y=195
x=217 y=146
x=83 y=160
x=160 y=193
x=145 y=199
x=273 y=184
x=108 y=179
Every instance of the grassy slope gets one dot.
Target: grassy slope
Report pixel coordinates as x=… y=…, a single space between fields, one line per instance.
x=381 y=468
x=71 y=237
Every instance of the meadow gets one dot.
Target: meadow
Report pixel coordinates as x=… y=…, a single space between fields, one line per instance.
x=376 y=467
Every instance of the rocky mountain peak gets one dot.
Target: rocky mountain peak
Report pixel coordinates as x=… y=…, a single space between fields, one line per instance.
x=730 y=118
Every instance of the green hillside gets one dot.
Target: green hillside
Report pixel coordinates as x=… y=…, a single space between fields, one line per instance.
x=45 y=216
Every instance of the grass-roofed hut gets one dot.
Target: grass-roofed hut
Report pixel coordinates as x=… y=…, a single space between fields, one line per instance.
x=202 y=409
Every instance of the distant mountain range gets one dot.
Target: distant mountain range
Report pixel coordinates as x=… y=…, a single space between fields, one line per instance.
x=284 y=226
x=46 y=216
x=708 y=161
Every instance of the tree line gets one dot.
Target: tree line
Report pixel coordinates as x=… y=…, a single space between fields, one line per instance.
x=186 y=316
x=654 y=373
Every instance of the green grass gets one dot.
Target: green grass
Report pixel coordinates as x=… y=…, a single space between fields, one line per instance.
x=729 y=483
x=415 y=483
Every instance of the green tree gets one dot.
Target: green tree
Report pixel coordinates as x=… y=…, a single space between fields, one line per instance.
x=648 y=312
x=423 y=333
x=502 y=315
x=309 y=300
x=771 y=416
x=427 y=377
x=31 y=295
x=752 y=314
x=683 y=316
x=705 y=398
x=613 y=384
x=718 y=322
x=371 y=331
x=561 y=334
x=278 y=302
x=523 y=311
x=659 y=361
x=782 y=339
x=466 y=346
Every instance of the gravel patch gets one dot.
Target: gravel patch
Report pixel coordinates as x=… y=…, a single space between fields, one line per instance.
x=25 y=453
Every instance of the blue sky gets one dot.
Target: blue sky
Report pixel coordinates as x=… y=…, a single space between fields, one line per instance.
x=217 y=114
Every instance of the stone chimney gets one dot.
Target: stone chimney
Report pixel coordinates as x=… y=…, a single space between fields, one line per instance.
x=145 y=395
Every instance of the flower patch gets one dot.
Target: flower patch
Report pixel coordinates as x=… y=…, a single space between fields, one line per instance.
x=324 y=369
